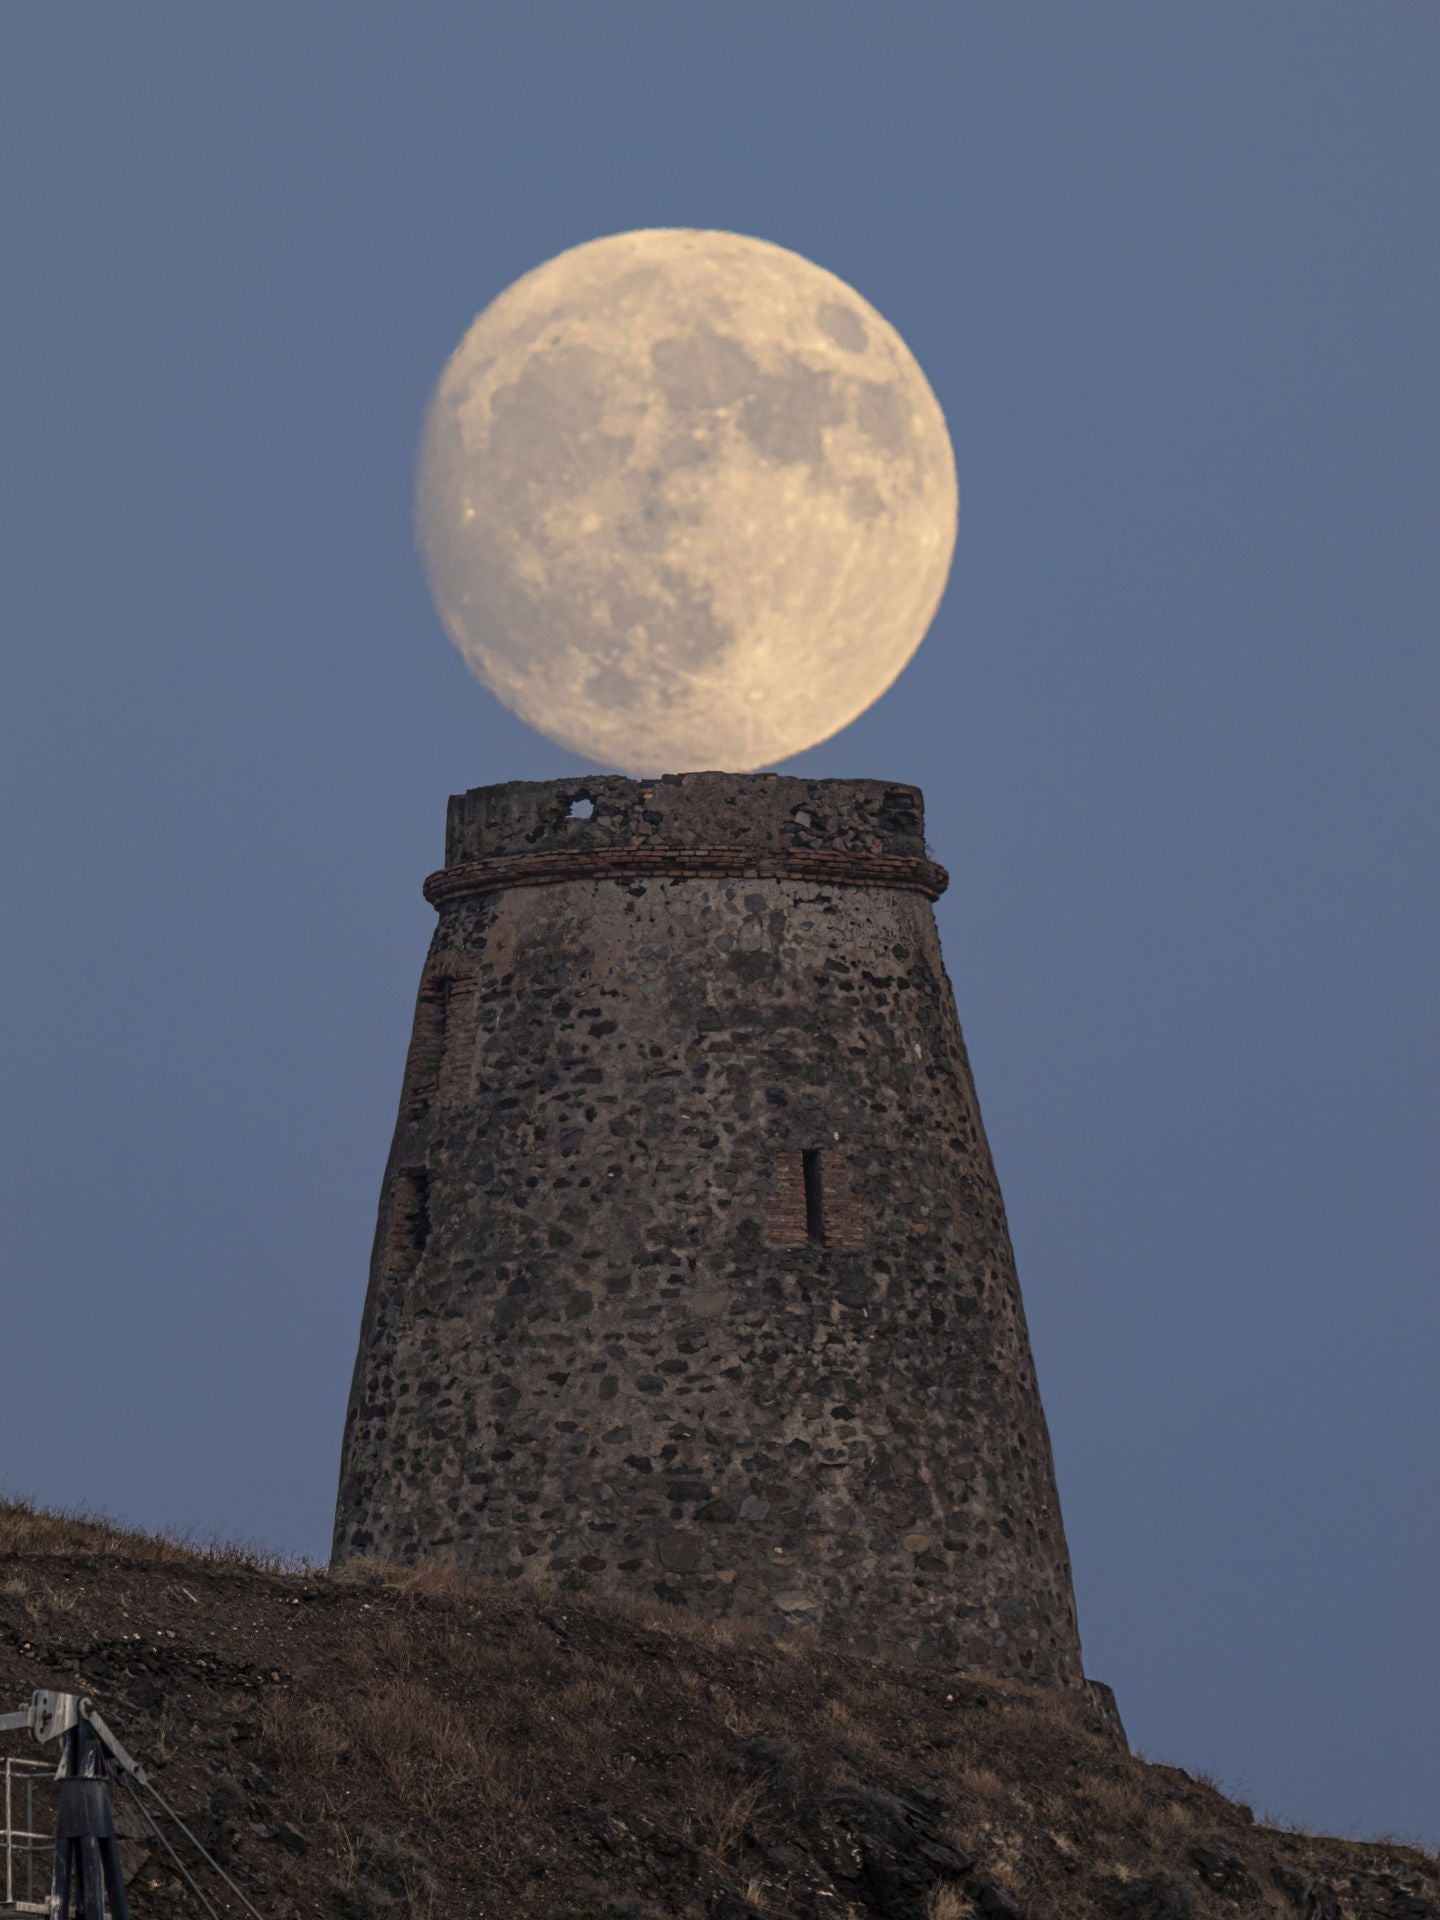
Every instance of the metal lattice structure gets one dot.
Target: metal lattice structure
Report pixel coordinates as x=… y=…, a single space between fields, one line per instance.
x=27 y=1838
x=85 y=1878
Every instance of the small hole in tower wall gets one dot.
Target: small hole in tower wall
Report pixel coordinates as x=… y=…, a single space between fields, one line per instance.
x=582 y=809
x=814 y=1179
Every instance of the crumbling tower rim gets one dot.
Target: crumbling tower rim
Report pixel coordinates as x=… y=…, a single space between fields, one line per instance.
x=763 y=812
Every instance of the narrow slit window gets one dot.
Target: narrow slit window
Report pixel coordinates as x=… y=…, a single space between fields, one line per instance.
x=409 y=1218
x=814 y=1196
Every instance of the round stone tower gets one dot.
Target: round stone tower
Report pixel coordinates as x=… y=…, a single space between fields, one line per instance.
x=692 y=1274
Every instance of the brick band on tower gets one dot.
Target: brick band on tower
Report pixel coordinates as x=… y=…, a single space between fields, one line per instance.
x=841 y=869
x=692 y=1274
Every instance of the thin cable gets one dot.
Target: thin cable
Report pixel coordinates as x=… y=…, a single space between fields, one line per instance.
x=207 y=1857
x=179 y=1864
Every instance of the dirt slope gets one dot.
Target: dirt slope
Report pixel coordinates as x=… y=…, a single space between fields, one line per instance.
x=387 y=1745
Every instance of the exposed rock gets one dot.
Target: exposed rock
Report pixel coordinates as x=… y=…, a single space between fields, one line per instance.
x=1223 y=1871
x=1157 y=1896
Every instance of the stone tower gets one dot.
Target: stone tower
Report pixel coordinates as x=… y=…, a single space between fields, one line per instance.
x=692 y=1273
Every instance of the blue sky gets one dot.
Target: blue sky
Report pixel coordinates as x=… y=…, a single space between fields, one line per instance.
x=1172 y=274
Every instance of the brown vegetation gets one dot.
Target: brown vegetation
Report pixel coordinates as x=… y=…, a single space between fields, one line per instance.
x=401 y=1742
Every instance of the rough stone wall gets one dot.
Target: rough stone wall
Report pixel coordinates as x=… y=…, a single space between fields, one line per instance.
x=692 y=1273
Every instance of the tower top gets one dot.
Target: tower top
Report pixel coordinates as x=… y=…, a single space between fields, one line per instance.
x=688 y=826
x=739 y=810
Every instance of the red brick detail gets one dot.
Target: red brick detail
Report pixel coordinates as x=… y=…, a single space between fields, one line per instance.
x=844 y=1216
x=786 y=1215
x=785 y=1204
x=408 y=1227
x=435 y=1071
x=823 y=864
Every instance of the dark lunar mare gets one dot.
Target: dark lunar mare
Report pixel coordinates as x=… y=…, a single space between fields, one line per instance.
x=692 y=1275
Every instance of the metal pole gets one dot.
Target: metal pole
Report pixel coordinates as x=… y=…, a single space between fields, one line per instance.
x=165 y=1841
x=60 y=1871
x=86 y=1856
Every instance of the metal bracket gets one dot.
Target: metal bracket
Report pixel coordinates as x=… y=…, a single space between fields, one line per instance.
x=50 y=1715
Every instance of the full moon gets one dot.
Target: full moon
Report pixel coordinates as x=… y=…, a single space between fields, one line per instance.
x=685 y=500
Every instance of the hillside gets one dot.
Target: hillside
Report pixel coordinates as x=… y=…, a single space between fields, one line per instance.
x=388 y=1744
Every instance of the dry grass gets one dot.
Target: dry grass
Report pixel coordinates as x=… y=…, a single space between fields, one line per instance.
x=721 y=1812
x=1173 y=1825
x=368 y=1859
x=593 y=1695
x=948 y=1903
x=305 y=1736
x=981 y=1786
x=416 y=1739
x=435 y=1579
x=745 y=1723
x=549 y=1736
x=436 y=1757
x=1402 y=1843
x=1116 y=1800
x=39 y=1533
x=853 y=1733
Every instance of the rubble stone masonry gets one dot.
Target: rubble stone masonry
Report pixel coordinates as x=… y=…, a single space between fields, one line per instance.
x=692 y=1274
